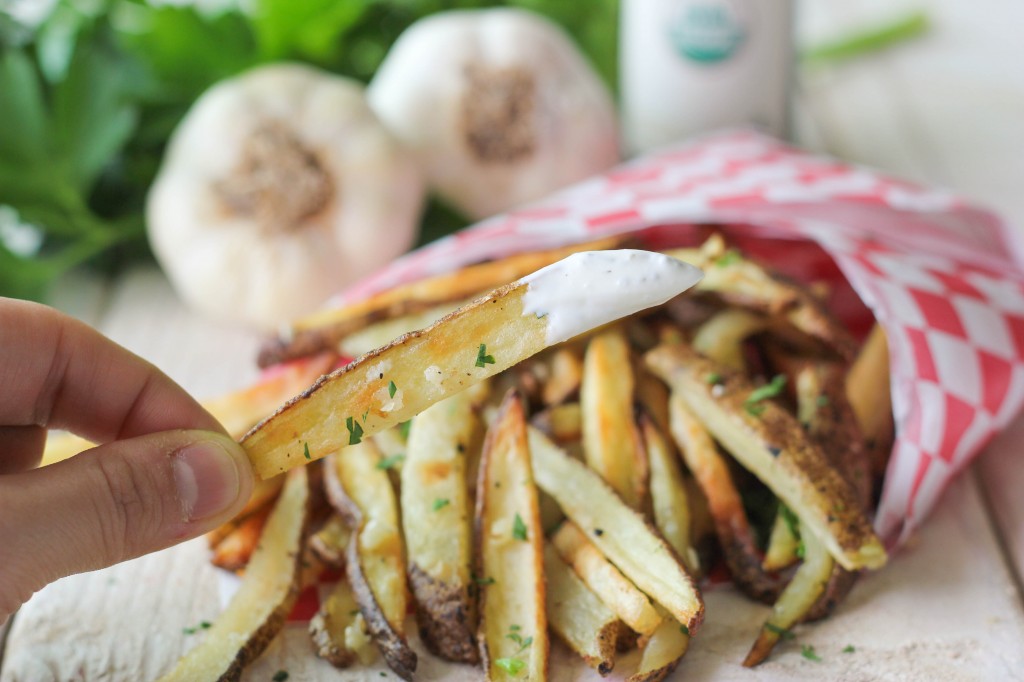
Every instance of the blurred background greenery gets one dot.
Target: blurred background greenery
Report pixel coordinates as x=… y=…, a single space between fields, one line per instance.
x=90 y=91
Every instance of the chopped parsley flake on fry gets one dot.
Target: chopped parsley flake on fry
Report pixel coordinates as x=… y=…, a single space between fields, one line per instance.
x=482 y=358
x=713 y=378
x=848 y=649
x=519 y=528
x=391 y=462
x=769 y=390
x=441 y=503
x=355 y=431
x=685 y=630
x=280 y=676
x=728 y=258
x=404 y=427
x=513 y=666
x=392 y=389
x=305 y=450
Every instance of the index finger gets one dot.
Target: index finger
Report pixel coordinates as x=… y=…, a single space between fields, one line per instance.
x=60 y=373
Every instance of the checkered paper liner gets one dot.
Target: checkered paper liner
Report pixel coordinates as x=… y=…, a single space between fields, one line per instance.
x=944 y=278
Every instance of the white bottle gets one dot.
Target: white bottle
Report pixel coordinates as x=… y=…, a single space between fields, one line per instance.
x=688 y=66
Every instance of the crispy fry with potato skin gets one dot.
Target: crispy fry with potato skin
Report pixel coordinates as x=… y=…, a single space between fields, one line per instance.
x=329 y=542
x=578 y=616
x=611 y=441
x=770 y=443
x=621 y=533
x=374 y=559
x=732 y=527
x=323 y=330
x=475 y=342
x=566 y=375
x=338 y=630
x=436 y=518
x=513 y=632
x=268 y=591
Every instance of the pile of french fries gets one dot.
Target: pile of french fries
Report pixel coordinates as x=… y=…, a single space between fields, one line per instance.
x=582 y=493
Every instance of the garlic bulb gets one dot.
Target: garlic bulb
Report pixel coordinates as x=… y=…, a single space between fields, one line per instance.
x=498 y=105
x=279 y=188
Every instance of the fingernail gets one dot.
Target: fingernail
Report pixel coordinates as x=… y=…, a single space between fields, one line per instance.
x=207 y=478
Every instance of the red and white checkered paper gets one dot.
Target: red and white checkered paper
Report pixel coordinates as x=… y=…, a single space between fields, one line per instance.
x=944 y=278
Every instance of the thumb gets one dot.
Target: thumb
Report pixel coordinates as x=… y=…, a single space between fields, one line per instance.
x=115 y=502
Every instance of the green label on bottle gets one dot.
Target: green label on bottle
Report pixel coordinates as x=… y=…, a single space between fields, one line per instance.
x=707 y=32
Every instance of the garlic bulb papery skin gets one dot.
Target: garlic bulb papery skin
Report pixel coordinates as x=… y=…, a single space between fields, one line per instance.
x=499 y=106
x=279 y=188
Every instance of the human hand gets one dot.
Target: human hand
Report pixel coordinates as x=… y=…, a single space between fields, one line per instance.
x=165 y=471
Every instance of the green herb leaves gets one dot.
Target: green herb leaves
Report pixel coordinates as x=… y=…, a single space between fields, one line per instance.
x=391 y=462
x=519 y=530
x=392 y=389
x=807 y=651
x=482 y=358
x=770 y=390
x=440 y=503
x=355 y=431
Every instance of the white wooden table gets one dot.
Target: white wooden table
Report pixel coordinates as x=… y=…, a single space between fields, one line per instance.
x=947 y=110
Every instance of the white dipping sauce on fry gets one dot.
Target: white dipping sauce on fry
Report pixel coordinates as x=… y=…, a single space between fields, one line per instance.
x=592 y=288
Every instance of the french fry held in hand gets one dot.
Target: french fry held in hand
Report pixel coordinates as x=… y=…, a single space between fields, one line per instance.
x=513 y=634
x=269 y=589
x=770 y=443
x=374 y=561
x=391 y=384
x=436 y=518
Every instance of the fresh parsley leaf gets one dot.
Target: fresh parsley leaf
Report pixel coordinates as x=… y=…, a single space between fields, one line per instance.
x=801 y=550
x=280 y=676
x=769 y=390
x=392 y=389
x=482 y=358
x=355 y=431
x=728 y=258
x=713 y=378
x=513 y=666
x=404 y=427
x=685 y=630
x=807 y=651
x=790 y=519
x=484 y=581
x=305 y=451
x=441 y=503
x=848 y=649
x=391 y=462
x=519 y=530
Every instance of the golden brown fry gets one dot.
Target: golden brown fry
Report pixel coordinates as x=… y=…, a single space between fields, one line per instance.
x=419 y=369
x=268 y=591
x=380 y=333
x=232 y=553
x=510 y=545
x=566 y=374
x=653 y=396
x=770 y=443
x=783 y=544
x=869 y=393
x=374 y=563
x=668 y=495
x=578 y=616
x=436 y=516
x=726 y=508
x=619 y=532
x=721 y=337
x=807 y=585
x=604 y=580
x=739 y=281
x=562 y=423
x=325 y=329
x=611 y=442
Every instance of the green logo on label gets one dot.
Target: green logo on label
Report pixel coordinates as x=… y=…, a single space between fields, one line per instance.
x=707 y=32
